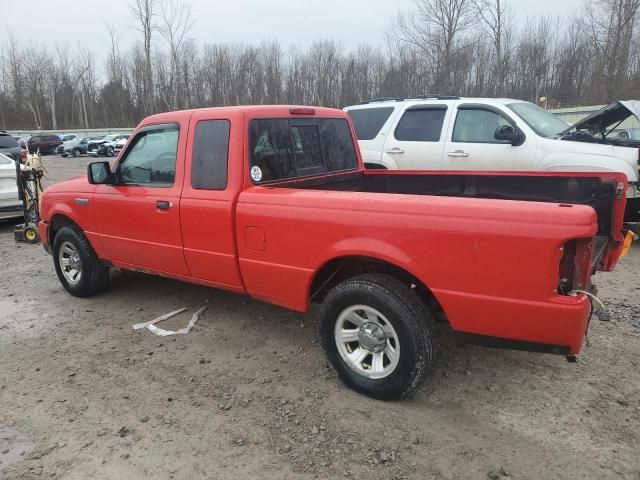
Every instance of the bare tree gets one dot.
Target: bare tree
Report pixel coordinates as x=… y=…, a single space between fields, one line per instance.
x=435 y=28
x=144 y=12
x=496 y=22
x=611 y=24
x=175 y=23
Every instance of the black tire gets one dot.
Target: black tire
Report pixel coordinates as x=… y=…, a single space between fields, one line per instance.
x=76 y=152
x=409 y=317
x=110 y=152
x=94 y=276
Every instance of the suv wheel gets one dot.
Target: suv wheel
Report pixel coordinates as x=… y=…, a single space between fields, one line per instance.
x=110 y=152
x=77 y=265
x=76 y=152
x=378 y=336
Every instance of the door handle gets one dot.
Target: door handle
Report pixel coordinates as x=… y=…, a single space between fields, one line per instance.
x=163 y=205
x=396 y=150
x=458 y=154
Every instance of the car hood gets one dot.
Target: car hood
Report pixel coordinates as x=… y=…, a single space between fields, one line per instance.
x=607 y=117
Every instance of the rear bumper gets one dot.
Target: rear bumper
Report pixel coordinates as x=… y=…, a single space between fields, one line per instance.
x=43 y=229
x=556 y=326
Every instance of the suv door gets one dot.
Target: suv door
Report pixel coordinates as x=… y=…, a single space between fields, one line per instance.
x=137 y=218
x=417 y=140
x=472 y=144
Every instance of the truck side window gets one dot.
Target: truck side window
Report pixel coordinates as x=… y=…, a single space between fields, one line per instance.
x=477 y=125
x=421 y=124
x=151 y=158
x=210 y=152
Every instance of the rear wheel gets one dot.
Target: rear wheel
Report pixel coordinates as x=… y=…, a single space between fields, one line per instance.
x=378 y=336
x=76 y=152
x=77 y=265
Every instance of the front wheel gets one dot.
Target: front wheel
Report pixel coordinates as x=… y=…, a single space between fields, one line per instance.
x=111 y=152
x=77 y=265
x=378 y=336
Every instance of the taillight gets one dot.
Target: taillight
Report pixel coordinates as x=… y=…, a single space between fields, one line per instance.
x=584 y=264
x=576 y=265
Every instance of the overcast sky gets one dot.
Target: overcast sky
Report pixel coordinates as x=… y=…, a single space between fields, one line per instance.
x=69 y=22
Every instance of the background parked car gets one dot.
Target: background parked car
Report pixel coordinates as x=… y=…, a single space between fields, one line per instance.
x=75 y=147
x=44 y=143
x=10 y=204
x=67 y=137
x=121 y=143
x=107 y=147
x=9 y=146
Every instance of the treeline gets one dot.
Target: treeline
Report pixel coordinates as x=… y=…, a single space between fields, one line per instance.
x=461 y=47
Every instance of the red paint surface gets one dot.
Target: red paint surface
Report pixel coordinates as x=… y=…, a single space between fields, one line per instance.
x=492 y=264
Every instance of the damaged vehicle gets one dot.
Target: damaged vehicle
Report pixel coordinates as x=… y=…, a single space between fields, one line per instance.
x=274 y=202
x=107 y=146
x=495 y=134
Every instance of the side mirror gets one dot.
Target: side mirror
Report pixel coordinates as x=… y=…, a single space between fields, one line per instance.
x=507 y=133
x=99 y=173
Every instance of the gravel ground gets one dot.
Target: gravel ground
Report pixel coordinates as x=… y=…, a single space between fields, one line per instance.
x=248 y=394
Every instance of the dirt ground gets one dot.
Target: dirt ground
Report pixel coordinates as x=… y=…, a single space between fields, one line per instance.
x=248 y=394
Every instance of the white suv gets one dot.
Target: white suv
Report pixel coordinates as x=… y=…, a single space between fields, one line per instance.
x=452 y=133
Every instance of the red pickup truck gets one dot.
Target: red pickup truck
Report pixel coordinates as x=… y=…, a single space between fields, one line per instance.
x=274 y=202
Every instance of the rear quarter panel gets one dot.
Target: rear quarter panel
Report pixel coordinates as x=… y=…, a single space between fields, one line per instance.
x=507 y=249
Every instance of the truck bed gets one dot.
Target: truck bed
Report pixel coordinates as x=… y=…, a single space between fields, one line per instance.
x=597 y=191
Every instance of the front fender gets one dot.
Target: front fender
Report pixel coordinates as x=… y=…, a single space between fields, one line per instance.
x=588 y=163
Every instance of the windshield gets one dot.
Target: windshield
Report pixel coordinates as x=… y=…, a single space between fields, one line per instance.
x=541 y=121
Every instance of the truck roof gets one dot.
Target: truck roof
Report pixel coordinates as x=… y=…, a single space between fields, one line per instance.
x=254 y=111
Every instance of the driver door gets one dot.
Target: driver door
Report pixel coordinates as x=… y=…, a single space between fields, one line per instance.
x=138 y=217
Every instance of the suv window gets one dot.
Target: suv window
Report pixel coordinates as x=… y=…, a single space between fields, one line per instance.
x=297 y=147
x=421 y=124
x=151 y=158
x=210 y=152
x=369 y=121
x=51 y=138
x=7 y=141
x=478 y=125
x=4 y=160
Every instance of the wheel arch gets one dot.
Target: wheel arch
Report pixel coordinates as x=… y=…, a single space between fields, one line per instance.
x=345 y=267
x=59 y=220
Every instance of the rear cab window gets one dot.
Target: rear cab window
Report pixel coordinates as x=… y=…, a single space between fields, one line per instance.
x=287 y=148
x=368 y=122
